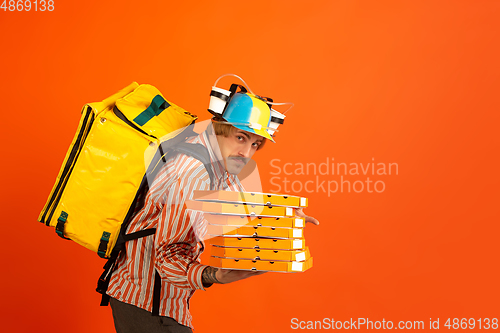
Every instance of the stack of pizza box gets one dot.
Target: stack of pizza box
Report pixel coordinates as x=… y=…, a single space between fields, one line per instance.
x=254 y=231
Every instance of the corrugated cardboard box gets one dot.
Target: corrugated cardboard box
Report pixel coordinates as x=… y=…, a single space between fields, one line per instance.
x=262 y=265
x=255 y=221
x=258 y=254
x=240 y=209
x=259 y=243
x=225 y=230
x=251 y=198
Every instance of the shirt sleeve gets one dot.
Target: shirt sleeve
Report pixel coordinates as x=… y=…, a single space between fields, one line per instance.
x=179 y=230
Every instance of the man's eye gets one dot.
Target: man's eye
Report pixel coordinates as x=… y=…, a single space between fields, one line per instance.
x=239 y=137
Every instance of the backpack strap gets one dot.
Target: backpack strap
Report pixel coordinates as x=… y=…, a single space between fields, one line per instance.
x=103 y=282
x=195 y=150
x=200 y=152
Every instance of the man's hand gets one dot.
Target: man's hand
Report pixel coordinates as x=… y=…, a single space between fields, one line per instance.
x=212 y=275
x=300 y=213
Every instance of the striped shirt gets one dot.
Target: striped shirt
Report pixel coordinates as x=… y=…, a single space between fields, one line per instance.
x=178 y=243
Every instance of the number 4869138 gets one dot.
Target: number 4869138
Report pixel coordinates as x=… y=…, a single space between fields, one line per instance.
x=27 y=5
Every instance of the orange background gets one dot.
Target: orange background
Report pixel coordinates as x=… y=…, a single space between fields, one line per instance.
x=407 y=82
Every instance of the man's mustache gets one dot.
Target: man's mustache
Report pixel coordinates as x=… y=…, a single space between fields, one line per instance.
x=242 y=159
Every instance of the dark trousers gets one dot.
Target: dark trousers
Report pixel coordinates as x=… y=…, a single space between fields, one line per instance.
x=131 y=319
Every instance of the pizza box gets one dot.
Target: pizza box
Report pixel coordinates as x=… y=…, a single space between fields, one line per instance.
x=262 y=265
x=255 y=221
x=259 y=243
x=254 y=198
x=240 y=209
x=258 y=254
x=219 y=230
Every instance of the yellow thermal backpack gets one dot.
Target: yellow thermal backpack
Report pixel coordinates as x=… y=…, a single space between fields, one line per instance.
x=119 y=144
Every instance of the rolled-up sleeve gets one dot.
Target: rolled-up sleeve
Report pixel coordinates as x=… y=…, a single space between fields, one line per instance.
x=177 y=239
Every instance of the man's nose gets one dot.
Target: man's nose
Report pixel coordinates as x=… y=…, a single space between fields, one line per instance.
x=245 y=151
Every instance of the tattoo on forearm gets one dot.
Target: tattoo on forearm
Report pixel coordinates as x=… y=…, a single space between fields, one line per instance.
x=208 y=276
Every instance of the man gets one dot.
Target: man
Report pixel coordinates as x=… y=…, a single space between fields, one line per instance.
x=174 y=250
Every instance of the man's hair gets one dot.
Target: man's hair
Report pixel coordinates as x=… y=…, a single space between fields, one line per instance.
x=224 y=129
